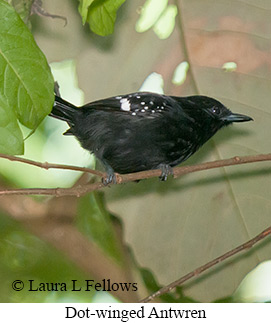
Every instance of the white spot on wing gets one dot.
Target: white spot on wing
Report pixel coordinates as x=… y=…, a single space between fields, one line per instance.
x=125 y=105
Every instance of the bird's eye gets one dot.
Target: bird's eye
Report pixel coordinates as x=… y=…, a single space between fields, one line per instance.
x=215 y=110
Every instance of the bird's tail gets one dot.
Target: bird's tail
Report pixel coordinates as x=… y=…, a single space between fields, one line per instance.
x=64 y=110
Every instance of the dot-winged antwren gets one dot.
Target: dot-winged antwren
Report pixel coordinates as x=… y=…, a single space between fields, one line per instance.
x=144 y=130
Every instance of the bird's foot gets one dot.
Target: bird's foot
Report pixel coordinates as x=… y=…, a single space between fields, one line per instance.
x=166 y=170
x=109 y=178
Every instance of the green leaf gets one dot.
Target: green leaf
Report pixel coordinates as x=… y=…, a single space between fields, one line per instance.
x=22 y=7
x=83 y=9
x=26 y=83
x=11 y=138
x=102 y=15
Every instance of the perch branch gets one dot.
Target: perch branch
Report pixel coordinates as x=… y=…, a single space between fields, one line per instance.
x=84 y=189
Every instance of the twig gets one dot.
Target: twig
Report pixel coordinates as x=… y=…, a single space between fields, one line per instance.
x=77 y=191
x=247 y=245
x=40 y=11
x=84 y=189
x=50 y=165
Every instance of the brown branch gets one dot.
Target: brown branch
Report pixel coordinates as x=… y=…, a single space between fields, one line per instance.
x=77 y=191
x=247 y=245
x=84 y=189
x=50 y=165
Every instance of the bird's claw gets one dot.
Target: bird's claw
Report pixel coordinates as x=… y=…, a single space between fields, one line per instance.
x=109 y=178
x=166 y=170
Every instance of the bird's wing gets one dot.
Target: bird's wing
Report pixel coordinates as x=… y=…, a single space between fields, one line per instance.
x=140 y=103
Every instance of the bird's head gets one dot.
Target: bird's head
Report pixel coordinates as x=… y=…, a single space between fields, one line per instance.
x=216 y=111
x=208 y=115
x=207 y=110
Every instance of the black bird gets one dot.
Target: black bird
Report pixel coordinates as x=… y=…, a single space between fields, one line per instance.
x=143 y=131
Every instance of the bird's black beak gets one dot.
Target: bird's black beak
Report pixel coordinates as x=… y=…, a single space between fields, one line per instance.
x=236 y=117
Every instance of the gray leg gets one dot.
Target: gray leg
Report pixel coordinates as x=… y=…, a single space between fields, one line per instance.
x=110 y=174
x=166 y=171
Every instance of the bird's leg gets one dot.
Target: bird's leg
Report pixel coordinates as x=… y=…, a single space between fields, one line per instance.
x=110 y=174
x=166 y=171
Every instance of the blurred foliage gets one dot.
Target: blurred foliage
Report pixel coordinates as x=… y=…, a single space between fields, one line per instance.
x=149 y=14
x=24 y=256
x=256 y=286
x=159 y=16
x=166 y=23
x=180 y=73
x=94 y=221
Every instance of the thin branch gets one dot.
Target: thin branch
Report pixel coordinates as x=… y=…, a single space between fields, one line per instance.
x=247 y=245
x=77 y=191
x=40 y=11
x=84 y=189
x=50 y=165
